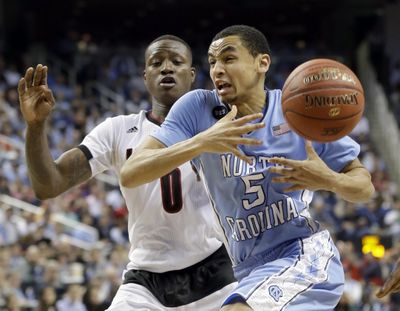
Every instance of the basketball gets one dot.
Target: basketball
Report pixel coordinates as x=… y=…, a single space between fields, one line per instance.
x=322 y=100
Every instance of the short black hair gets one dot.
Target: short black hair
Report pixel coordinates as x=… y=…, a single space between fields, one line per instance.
x=253 y=39
x=173 y=38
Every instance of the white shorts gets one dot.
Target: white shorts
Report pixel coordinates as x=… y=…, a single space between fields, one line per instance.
x=136 y=297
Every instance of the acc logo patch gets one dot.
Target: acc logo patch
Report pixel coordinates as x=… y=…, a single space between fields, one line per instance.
x=275 y=292
x=219 y=112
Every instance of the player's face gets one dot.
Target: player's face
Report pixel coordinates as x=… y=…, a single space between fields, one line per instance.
x=168 y=73
x=234 y=71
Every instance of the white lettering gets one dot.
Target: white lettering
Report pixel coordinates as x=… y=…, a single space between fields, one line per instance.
x=291 y=209
x=241 y=225
x=277 y=212
x=226 y=168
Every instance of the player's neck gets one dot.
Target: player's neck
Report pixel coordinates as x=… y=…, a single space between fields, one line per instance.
x=255 y=103
x=159 y=111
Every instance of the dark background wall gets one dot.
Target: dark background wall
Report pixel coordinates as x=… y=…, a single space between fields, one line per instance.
x=338 y=24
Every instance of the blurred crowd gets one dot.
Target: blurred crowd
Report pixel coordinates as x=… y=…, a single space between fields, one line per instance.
x=41 y=271
x=387 y=68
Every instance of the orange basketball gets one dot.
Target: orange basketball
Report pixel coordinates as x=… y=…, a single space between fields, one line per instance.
x=322 y=100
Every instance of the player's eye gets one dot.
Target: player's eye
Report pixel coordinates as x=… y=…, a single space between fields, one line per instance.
x=177 y=62
x=211 y=62
x=155 y=63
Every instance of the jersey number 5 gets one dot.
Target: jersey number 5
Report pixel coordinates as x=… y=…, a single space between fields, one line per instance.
x=171 y=189
x=253 y=189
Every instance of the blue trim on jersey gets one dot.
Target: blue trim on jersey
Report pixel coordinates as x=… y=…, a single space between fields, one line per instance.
x=234 y=298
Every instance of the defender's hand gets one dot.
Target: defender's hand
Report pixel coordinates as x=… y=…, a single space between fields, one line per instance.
x=35 y=98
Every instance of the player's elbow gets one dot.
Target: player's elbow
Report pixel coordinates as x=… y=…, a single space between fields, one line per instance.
x=42 y=196
x=369 y=189
x=369 y=192
x=364 y=193
x=44 y=193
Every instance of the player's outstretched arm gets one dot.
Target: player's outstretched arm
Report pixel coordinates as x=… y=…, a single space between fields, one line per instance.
x=152 y=160
x=49 y=178
x=353 y=183
x=392 y=284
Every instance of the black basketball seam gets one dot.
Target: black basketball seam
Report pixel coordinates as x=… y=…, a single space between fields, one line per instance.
x=317 y=118
x=306 y=65
x=319 y=63
x=319 y=88
x=301 y=133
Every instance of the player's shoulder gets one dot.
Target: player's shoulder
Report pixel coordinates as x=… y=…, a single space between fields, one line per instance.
x=121 y=122
x=128 y=118
x=200 y=97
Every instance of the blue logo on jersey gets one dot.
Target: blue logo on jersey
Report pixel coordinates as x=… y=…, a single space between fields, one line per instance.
x=275 y=292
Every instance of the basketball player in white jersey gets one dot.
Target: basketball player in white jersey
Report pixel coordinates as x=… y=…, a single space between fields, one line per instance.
x=176 y=261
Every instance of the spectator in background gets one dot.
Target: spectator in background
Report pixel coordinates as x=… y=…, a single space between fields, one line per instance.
x=72 y=300
x=47 y=299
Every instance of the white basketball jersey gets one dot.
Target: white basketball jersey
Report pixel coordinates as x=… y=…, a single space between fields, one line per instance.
x=171 y=222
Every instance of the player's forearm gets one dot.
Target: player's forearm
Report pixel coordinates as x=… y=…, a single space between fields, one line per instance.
x=147 y=165
x=41 y=167
x=353 y=186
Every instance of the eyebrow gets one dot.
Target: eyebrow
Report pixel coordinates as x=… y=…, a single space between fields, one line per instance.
x=173 y=54
x=228 y=48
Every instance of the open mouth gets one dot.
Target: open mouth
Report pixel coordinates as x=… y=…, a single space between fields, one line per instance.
x=168 y=82
x=223 y=87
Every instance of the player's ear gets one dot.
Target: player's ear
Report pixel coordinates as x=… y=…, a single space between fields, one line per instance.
x=263 y=63
x=144 y=75
x=193 y=74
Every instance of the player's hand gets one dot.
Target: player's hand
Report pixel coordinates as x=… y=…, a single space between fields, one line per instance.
x=312 y=173
x=392 y=284
x=225 y=135
x=35 y=98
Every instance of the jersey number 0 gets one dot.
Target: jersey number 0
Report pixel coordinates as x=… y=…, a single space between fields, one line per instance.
x=171 y=189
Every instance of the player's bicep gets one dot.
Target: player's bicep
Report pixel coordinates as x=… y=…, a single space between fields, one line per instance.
x=73 y=167
x=354 y=164
x=355 y=168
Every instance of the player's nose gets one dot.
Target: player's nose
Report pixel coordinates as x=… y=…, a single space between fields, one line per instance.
x=167 y=67
x=218 y=69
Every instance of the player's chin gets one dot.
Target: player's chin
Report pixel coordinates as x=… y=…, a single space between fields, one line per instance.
x=170 y=97
x=228 y=98
x=168 y=91
x=176 y=92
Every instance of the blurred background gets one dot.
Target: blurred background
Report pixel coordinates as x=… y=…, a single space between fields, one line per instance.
x=75 y=247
